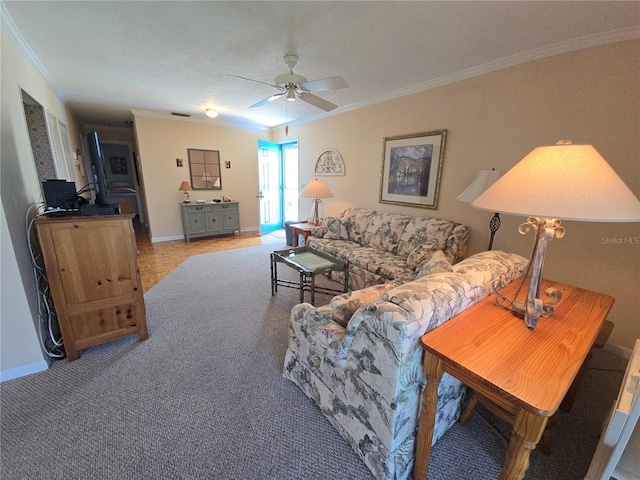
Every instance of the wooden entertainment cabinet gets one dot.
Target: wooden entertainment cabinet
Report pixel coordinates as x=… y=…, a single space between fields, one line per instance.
x=92 y=268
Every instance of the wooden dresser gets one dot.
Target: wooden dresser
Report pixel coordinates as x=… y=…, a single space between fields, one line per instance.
x=92 y=268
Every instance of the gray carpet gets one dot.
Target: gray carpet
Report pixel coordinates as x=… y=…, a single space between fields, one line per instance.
x=203 y=398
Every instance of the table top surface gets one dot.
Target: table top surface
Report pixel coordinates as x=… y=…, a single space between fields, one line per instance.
x=309 y=259
x=493 y=348
x=302 y=226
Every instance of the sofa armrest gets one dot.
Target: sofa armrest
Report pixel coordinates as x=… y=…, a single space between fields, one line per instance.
x=374 y=324
x=332 y=228
x=343 y=306
x=312 y=330
x=456 y=244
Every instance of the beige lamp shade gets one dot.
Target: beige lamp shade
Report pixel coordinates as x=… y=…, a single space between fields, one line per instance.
x=316 y=189
x=184 y=186
x=565 y=182
x=482 y=182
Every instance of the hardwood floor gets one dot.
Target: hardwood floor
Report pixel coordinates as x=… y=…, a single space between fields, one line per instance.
x=156 y=260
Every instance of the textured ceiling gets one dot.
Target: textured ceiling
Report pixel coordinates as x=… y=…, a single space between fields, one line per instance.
x=108 y=58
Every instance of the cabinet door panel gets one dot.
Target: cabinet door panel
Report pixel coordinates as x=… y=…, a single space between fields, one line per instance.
x=214 y=221
x=94 y=261
x=196 y=222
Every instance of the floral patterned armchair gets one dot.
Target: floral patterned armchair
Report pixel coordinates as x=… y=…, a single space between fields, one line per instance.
x=360 y=358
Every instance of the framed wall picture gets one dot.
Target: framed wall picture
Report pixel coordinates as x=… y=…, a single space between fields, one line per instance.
x=411 y=169
x=329 y=162
x=118 y=165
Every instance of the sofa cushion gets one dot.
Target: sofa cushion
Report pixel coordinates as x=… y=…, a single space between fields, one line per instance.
x=384 y=264
x=337 y=248
x=436 y=263
x=421 y=253
x=334 y=229
x=421 y=230
x=356 y=221
x=384 y=231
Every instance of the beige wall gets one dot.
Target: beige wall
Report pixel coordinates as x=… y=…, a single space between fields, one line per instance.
x=493 y=121
x=162 y=141
x=19 y=187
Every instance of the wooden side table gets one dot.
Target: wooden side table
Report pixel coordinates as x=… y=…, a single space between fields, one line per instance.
x=525 y=372
x=303 y=229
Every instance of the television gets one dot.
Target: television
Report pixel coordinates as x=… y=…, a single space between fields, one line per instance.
x=98 y=180
x=98 y=175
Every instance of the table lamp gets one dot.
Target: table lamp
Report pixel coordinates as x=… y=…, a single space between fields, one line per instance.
x=185 y=187
x=482 y=182
x=554 y=183
x=316 y=189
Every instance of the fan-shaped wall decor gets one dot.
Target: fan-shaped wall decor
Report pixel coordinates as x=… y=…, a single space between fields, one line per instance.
x=330 y=163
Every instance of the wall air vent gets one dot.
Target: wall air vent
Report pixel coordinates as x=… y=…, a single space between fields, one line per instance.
x=180 y=114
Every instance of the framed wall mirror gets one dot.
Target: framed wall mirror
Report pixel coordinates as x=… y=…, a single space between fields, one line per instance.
x=204 y=167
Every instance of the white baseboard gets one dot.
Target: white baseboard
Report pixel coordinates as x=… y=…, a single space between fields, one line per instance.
x=181 y=237
x=167 y=239
x=23 y=370
x=618 y=350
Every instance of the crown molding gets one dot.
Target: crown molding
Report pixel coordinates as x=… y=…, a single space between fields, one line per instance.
x=595 y=40
x=589 y=41
x=16 y=37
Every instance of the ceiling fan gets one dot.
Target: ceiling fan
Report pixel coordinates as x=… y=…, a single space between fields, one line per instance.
x=291 y=84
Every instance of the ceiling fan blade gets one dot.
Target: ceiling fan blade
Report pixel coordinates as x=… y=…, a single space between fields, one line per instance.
x=317 y=101
x=267 y=100
x=331 y=83
x=251 y=80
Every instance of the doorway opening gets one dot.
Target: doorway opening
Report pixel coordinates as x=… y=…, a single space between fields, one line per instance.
x=277 y=184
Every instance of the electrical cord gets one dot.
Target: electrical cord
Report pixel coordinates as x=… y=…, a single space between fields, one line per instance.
x=48 y=327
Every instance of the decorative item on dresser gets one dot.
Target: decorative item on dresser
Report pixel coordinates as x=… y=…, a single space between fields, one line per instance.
x=553 y=183
x=315 y=189
x=482 y=182
x=92 y=268
x=185 y=187
x=204 y=219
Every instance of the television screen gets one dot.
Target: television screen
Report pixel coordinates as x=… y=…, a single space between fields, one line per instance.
x=98 y=174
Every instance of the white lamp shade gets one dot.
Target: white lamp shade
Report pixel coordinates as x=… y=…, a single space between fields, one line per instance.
x=316 y=189
x=482 y=182
x=565 y=182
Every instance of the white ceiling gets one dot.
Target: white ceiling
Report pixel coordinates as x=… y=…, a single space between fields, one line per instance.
x=108 y=58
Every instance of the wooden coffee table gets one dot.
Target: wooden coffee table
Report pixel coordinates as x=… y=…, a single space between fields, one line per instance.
x=309 y=263
x=526 y=372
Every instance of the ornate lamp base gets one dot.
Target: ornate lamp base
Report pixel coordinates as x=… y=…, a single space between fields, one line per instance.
x=533 y=307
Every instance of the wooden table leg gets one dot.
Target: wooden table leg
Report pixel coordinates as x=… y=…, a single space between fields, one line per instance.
x=527 y=431
x=433 y=371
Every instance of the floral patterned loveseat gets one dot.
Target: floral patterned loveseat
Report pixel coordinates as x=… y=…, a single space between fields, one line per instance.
x=383 y=247
x=360 y=358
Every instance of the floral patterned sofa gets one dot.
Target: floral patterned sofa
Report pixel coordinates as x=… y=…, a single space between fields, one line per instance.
x=360 y=358
x=383 y=247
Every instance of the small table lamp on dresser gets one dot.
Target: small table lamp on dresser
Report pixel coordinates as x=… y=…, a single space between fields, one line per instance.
x=185 y=187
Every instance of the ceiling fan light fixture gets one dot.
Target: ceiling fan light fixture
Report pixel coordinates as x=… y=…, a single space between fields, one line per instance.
x=291 y=95
x=211 y=112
